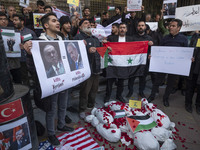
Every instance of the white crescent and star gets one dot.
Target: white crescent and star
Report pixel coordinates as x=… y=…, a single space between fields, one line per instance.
x=3 y=112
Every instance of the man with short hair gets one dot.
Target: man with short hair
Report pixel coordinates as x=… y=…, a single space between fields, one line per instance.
x=65 y=27
x=18 y=22
x=3 y=20
x=115 y=29
x=140 y=36
x=173 y=39
x=117 y=14
x=51 y=26
x=40 y=7
x=75 y=60
x=86 y=12
x=117 y=38
x=11 y=12
x=47 y=9
x=2 y=8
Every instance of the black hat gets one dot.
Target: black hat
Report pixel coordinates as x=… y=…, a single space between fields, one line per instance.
x=63 y=20
x=119 y=8
x=81 y=22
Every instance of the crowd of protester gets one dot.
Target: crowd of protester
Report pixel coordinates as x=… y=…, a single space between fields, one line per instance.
x=74 y=28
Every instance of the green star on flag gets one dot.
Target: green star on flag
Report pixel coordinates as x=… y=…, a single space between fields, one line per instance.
x=110 y=60
x=130 y=61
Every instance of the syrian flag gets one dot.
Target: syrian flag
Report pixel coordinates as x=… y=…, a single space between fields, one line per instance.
x=139 y=123
x=7 y=32
x=26 y=37
x=127 y=59
x=111 y=8
x=79 y=139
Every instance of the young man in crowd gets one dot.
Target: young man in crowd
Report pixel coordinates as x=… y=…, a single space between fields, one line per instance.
x=65 y=27
x=2 y=8
x=140 y=36
x=18 y=22
x=40 y=7
x=86 y=13
x=120 y=83
x=11 y=11
x=51 y=26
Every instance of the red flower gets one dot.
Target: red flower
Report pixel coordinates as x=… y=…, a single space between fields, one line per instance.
x=113 y=131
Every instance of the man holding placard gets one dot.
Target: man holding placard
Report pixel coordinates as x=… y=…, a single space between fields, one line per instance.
x=173 y=39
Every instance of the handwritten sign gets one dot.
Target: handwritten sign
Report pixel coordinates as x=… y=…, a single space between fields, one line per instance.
x=135 y=104
x=73 y=2
x=134 y=5
x=190 y=16
x=153 y=25
x=169 y=7
x=172 y=60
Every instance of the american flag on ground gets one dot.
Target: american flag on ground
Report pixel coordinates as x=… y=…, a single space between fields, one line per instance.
x=80 y=139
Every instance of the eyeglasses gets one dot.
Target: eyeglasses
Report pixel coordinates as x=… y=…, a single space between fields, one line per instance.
x=5 y=19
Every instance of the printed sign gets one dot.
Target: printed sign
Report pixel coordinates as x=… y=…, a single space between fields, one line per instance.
x=135 y=104
x=12 y=42
x=73 y=2
x=172 y=60
x=134 y=5
x=60 y=65
x=16 y=135
x=75 y=10
x=190 y=16
x=36 y=20
x=11 y=111
x=169 y=7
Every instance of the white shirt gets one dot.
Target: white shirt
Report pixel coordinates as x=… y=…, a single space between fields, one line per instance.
x=122 y=39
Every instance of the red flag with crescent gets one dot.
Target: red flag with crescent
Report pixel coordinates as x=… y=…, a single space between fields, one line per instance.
x=11 y=111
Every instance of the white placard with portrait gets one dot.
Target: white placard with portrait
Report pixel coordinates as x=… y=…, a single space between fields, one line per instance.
x=60 y=65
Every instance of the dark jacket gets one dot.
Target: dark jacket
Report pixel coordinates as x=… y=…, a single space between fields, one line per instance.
x=94 y=58
x=115 y=38
x=131 y=24
x=195 y=68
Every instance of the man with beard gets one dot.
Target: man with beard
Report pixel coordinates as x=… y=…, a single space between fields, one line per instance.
x=65 y=27
x=18 y=22
x=120 y=83
x=86 y=13
x=140 y=36
x=89 y=87
x=57 y=103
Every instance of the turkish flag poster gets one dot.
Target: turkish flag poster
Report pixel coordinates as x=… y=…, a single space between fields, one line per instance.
x=11 y=111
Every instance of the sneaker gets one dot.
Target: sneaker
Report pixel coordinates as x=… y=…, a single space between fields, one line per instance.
x=67 y=119
x=82 y=115
x=188 y=108
x=66 y=129
x=53 y=140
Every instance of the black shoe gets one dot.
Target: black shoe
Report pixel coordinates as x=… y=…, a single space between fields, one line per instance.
x=151 y=98
x=188 y=108
x=67 y=119
x=53 y=140
x=66 y=128
x=141 y=94
x=166 y=103
x=198 y=110
x=106 y=99
x=183 y=92
x=72 y=109
x=174 y=90
x=120 y=98
x=90 y=106
x=129 y=94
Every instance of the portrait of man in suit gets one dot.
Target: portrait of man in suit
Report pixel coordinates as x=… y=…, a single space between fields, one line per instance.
x=74 y=56
x=52 y=61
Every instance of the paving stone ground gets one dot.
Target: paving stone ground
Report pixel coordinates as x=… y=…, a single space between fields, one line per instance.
x=187 y=124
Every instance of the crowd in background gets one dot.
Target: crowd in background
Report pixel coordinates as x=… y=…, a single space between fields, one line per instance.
x=76 y=28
